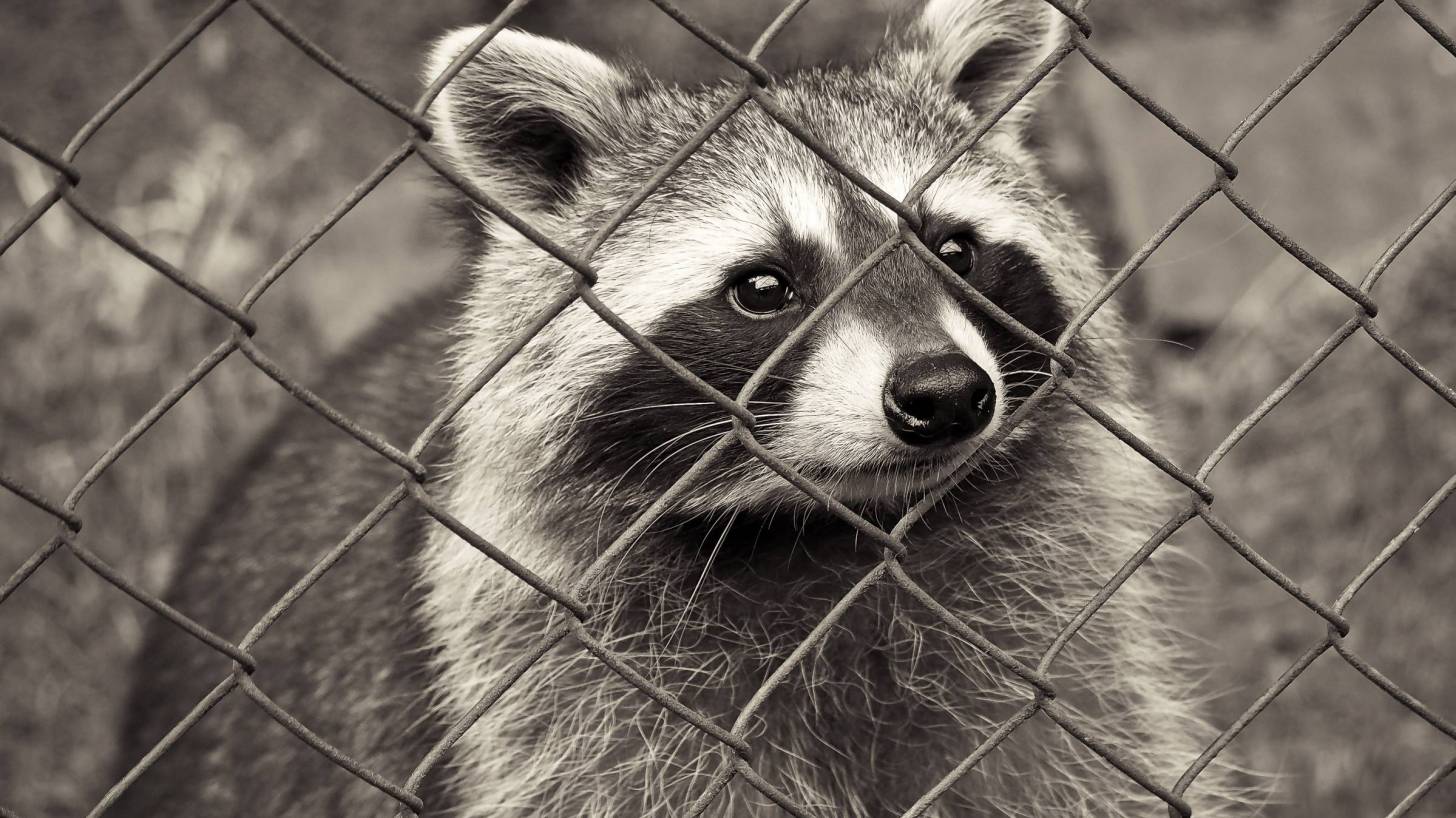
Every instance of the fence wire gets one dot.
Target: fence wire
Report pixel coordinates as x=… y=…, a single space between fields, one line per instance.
x=756 y=88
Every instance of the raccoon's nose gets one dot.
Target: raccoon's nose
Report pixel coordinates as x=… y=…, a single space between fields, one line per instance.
x=938 y=398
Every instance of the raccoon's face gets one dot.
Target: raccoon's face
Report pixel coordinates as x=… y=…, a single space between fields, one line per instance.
x=898 y=384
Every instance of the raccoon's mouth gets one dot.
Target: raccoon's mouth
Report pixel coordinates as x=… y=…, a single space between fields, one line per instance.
x=904 y=479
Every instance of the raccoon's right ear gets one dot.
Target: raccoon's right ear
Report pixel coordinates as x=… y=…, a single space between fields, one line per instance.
x=981 y=50
x=523 y=117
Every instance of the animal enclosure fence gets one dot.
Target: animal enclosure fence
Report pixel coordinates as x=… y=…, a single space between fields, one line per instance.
x=756 y=88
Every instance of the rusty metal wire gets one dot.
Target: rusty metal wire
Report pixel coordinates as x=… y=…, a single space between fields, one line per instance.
x=757 y=88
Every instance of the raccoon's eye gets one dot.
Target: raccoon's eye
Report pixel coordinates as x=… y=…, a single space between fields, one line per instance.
x=958 y=251
x=761 y=293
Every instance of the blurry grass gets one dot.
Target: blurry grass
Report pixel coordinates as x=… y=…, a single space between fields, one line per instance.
x=1318 y=487
x=235 y=150
x=89 y=339
x=1362 y=144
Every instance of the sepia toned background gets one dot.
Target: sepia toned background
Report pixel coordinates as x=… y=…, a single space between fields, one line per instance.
x=242 y=144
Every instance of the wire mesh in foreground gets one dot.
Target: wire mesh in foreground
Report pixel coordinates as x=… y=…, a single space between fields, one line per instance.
x=757 y=89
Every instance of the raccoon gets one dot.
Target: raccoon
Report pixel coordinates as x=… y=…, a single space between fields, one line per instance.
x=582 y=431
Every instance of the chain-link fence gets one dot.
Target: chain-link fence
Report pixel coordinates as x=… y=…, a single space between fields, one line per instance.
x=756 y=89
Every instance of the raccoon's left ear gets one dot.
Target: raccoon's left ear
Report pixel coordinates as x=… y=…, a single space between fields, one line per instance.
x=524 y=117
x=983 y=49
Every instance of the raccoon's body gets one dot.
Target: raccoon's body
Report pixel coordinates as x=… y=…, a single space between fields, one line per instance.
x=582 y=431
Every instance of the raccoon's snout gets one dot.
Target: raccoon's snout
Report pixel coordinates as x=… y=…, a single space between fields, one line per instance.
x=938 y=398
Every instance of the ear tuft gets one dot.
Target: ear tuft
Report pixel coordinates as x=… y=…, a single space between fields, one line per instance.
x=983 y=49
x=525 y=116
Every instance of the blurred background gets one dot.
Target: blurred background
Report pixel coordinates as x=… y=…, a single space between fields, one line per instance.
x=242 y=144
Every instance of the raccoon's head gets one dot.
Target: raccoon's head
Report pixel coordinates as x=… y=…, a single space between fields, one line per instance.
x=904 y=377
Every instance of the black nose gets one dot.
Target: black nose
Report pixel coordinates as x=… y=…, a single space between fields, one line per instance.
x=939 y=398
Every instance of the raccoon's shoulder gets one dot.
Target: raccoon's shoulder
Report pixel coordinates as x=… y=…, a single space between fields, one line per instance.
x=305 y=482
x=286 y=504
x=394 y=374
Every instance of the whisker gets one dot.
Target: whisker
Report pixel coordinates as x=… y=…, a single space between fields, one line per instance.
x=1169 y=341
x=642 y=409
x=679 y=450
x=687 y=361
x=612 y=490
x=632 y=409
x=707 y=566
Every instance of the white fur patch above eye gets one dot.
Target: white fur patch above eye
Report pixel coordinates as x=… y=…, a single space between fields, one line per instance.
x=810 y=211
x=895 y=176
x=969 y=196
x=996 y=217
x=649 y=270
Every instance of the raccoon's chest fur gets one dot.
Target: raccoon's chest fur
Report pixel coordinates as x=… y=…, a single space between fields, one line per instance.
x=872 y=717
